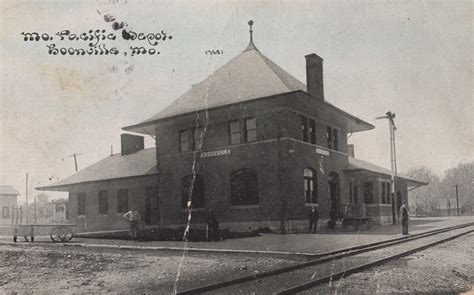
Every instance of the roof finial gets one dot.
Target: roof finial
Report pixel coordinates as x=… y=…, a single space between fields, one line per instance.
x=251 y=31
x=251 y=45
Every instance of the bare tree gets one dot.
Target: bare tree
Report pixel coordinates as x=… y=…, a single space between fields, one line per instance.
x=425 y=200
x=463 y=177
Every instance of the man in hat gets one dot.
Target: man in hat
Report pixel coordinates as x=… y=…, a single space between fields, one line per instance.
x=313 y=217
x=404 y=215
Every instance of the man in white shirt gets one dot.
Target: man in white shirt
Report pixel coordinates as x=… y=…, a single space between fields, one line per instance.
x=133 y=218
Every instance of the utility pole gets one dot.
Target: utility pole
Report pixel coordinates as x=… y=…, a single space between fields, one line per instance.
x=393 y=157
x=457 y=197
x=75 y=159
x=26 y=195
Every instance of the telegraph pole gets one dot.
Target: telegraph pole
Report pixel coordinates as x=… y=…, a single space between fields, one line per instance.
x=393 y=156
x=26 y=195
x=457 y=197
x=75 y=159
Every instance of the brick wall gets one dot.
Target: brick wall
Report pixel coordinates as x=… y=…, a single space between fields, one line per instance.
x=92 y=220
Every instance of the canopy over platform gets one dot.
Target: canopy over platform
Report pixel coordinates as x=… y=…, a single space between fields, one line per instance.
x=356 y=165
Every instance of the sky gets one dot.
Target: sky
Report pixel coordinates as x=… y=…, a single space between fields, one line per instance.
x=413 y=58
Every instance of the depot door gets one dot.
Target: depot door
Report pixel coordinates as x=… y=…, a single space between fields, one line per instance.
x=333 y=182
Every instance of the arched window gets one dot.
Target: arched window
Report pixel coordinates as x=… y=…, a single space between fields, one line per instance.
x=244 y=190
x=310 y=186
x=193 y=188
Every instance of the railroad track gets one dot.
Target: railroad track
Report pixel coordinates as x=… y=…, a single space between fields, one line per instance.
x=323 y=268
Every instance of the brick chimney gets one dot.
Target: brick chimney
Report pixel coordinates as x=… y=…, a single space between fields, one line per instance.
x=131 y=143
x=314 y=76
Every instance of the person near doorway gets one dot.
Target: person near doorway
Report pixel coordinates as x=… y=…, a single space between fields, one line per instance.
x=212 y=227
x=313 y=217
x=133 y=218
x=404 y=216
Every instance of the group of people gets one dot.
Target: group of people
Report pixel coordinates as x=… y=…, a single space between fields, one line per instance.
x=404 y=216
x=212 y=231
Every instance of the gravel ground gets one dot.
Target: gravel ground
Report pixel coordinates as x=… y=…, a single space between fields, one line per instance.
x=276 y=283
x=445 y=269
x=51 y=270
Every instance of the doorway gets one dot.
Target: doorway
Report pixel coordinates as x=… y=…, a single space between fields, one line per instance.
x=333 y=182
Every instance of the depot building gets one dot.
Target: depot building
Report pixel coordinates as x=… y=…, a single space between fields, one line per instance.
x=252 y=143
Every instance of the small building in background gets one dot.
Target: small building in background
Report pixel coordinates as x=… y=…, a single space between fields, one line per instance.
x=100 y=194
x=8 y=203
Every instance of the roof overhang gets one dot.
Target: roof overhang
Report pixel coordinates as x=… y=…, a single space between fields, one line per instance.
x=357 y=165
x=412 y=183
x=67 y=187
x=354 y=124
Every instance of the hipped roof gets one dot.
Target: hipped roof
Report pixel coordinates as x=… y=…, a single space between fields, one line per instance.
x=141 y=163
x=7 y=190
x=248 y=76
x=358 y=165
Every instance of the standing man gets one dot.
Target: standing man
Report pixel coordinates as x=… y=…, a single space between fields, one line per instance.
x=313 y=219
x=404 y=215
x=212 y=227
x=133 y=218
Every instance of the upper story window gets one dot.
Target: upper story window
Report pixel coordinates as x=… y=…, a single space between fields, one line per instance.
x=308 y=129
x=103 y=202
x=250 y=129
x=81 y=204
x=310 y=186
x=192 y=190
x=244 y=187
x=234 y=132
x=368 y=192
x=304 y=128
x=184 y=141
x=198 y=138
x=245 y=131
x=122 y=200
x=332 y=138
x=312 y=131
